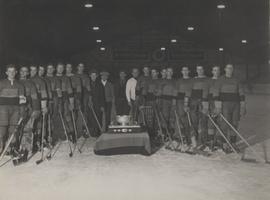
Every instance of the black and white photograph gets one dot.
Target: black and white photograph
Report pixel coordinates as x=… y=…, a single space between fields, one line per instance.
x=134 y=99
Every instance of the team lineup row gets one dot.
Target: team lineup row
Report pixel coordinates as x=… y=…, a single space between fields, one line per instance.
x=42 y=98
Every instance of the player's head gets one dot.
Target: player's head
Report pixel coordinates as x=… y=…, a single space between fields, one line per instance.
x=169 y=72
x=80 y=68
x=11 y=71
x=154 y=73
x=163 y=73
x=200 y=70
x=24 y=72
x=229 y=70
x=33 y=70
x=69 y=68
x=185 y=71
x=60 y=68
x=216 y=71
x=41 y=70
x=50 y=69
x=146 y=71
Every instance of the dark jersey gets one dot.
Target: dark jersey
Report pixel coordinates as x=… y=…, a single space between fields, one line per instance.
x=141 y=83
x=31 y=94
x=228 y=89
x=41 y=87
x=200 y=88
x=183 y=88
x=10 y=92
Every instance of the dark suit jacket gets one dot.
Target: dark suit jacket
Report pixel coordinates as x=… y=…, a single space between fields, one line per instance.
x=120 y=90
x=97 y=93
x=109 y=91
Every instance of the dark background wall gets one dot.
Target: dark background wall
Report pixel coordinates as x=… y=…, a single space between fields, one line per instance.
x=42 y=31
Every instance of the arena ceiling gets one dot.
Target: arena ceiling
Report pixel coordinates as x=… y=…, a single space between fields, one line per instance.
x=53 y=29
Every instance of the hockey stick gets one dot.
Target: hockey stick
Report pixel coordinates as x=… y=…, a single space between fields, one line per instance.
x=54 y=150
x=179 y=130
x=75 y=130
x=84 y=121
x=222 y=134
x=42 y=140
x=87 y=130
x=65 y=131
x=48 y=156
x=95 y=116
x=159 y=125
x=242 y=138
x=10 y=139
x=192 y=137
x=167 y=131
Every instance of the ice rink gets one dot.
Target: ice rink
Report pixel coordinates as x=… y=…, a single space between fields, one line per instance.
x=164 y=175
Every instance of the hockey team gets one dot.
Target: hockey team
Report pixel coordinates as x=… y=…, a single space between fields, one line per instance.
x=40 y=106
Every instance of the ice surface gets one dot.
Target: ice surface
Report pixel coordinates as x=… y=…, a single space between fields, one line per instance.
x=164 y=175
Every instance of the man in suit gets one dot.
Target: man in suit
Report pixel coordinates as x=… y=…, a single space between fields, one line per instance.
x=121 y=104
x=97 y=102
x=109 y=96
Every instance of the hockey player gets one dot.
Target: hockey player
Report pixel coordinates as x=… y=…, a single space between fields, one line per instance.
x=166 y=92
x=230 y=101
x=32 y=113
x=141 y=84
x=54 y=103
x=163 y=73
x=183 y=94
x=76 y=84
x=41 y=73
x=199 y=106
x=150 y=92
x=160 y=82
x=86 y=90
x=211 y=128
x=43 y=96
x=66 y=101
x=12 y=96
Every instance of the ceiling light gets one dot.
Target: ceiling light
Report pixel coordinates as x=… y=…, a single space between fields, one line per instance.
x=98 y=41
x=221 y=6
x=244 y=41
x=88 y=5
x=95 y=28
x=102 y=48
x=173 y=40
x=162 y=48
x=190 y=28
x=221 y=49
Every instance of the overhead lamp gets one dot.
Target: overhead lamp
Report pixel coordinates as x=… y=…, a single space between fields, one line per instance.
x=102 y=48
x=173 y=40
x=88 y=5
x=244 y=41
x=221 y=49
x=162 y=48
x=95 y=28
x=98 y=41
x=190 y=28
x=221 y=6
